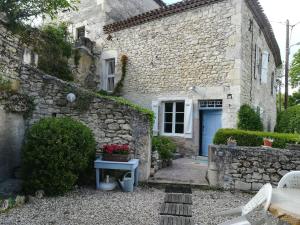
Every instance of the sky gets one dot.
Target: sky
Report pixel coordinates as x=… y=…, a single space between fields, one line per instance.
x=278 y=11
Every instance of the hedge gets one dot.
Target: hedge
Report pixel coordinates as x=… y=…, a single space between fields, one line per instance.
x=255 y=138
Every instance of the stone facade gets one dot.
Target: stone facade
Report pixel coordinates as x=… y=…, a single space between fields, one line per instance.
x=254 y=91
x=94 y=14
x=249 y=168
x=199 y=54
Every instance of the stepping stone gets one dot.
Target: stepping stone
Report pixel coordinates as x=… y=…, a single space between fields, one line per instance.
x=178 y=198
x=174 y=209
x=178 y=189
x=175 y=220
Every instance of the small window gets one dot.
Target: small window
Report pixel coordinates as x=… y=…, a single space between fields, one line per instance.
x=110 y=74
x=174 y=117
x=259 y=65
x=80 y=32
x=255 y=63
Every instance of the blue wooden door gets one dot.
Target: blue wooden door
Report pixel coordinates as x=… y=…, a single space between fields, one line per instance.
x=211 y=122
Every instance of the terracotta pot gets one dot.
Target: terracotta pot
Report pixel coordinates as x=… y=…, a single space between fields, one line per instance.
x=268 y=143
x=116 y=157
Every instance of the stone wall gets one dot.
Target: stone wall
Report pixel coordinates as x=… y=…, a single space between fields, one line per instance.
x=248 y=168
x=11 y=124
x=253 y=91
x=110 y=121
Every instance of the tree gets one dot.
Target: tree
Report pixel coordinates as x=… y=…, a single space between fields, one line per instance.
x=295 y=70
x=22 y=10
x=294 y=99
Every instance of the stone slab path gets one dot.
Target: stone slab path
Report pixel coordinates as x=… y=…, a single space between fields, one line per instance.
x=177 y=206
x=183 y=171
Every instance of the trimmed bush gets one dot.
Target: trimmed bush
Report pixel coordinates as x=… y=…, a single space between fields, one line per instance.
x=289 y=121
x=164 y=146
x=57 y=151
x=255 y=138
x=248 y=119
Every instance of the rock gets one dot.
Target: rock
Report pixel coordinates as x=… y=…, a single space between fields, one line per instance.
x=4 y=205
x=39 y=194
x=20 y=200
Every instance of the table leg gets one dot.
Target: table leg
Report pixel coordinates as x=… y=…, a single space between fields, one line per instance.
x=136 y=175
x=97 y=179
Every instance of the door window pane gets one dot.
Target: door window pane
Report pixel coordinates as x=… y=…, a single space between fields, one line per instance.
x=179 y=117
x=169 y=107
x=179 y=106
x=179 y=129
x=168 y=127
x=169 y=117
x=110 y=83
x=111 y=67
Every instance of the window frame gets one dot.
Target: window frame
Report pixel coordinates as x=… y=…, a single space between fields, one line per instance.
x=174 y=112
x=108 y=76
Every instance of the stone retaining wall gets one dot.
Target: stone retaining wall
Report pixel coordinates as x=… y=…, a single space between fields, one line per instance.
x=110 y=121
x=248 y=168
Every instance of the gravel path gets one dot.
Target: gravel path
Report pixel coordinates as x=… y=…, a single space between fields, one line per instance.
x=89 y=207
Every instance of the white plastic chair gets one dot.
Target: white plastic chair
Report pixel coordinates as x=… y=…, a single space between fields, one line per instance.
x=290 y=180
x=264 y=195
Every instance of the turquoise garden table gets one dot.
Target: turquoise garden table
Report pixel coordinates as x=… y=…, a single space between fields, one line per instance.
x=131 y=165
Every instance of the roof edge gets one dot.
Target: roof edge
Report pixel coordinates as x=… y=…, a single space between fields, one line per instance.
x=151 y=15
x=266 y=28
x=160 y=3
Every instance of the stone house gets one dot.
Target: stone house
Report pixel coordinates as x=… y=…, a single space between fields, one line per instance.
x=194 y=63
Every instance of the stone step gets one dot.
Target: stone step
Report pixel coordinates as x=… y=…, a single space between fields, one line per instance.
x=178 y=189
x=179 y=198
x=174 y=209
x=175 y=220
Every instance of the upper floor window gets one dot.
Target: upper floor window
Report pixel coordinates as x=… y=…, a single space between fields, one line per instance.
x=259 y=63
x=110 y=74
x=80 y=32
x=272 y=83
x=174 y=117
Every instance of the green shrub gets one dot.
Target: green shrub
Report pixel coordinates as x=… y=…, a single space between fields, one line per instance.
x=54 y=51
x=164 y=146
x=57 y=151
x=248 y=119
x=289 y=121
x=254 y=138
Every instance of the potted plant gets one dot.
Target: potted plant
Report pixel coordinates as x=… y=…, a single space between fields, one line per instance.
x=268 y=142
x=118 y=153
x=231 y=142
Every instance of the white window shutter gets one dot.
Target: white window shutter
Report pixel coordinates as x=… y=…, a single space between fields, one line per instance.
x=155 y=109
x=188 y=119
x=265 y=67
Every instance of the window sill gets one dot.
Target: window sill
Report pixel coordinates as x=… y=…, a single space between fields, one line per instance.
x=172 y=135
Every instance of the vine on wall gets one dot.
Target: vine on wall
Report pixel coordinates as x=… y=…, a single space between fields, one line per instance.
x=120 y=84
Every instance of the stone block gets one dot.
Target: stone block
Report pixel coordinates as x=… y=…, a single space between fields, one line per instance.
x=239 y=185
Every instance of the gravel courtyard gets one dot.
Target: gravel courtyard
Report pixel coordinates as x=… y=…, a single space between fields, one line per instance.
x=87 y=207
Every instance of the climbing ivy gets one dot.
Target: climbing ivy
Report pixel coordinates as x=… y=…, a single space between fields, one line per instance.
x=119 y=86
